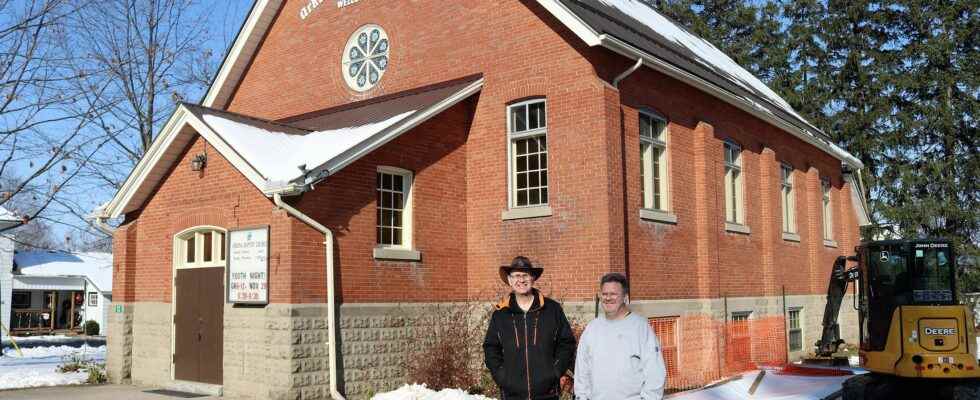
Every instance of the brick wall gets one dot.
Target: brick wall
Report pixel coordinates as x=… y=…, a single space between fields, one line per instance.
x=460 y=163
x=218 y=196
x=298 y=66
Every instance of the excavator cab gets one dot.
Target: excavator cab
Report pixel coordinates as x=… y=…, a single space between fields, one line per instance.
x=902 y=273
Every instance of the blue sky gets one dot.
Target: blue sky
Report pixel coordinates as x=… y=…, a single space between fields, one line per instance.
x=223 y=20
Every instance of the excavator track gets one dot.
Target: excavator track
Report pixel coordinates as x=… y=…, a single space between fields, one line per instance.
x=876 y=386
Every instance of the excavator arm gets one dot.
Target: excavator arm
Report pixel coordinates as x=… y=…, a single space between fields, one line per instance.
x=839 y=277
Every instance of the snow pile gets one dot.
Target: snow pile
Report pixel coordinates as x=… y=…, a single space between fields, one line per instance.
x=38 y=366
x=420 y=392
x=276 y=155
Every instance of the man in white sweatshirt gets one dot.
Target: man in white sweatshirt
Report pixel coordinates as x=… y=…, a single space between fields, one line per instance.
x=619 y=356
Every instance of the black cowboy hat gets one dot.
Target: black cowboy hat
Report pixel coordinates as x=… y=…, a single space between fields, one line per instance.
x=520 y=263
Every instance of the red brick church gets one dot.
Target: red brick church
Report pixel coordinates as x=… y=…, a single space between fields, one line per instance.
x=356 y=158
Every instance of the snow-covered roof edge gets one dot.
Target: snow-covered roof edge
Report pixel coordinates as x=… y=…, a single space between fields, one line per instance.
x=94 y=267
x=8 y=219
x=166 y=149
x=594 y=38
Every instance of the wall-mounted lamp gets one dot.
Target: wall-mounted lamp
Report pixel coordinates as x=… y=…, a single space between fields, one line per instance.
x=199 y=161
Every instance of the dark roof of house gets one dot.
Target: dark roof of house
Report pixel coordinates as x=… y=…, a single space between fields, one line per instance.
x=379 y=108
x=605 y=18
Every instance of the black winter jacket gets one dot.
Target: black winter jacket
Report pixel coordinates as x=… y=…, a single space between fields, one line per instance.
x=527 y=353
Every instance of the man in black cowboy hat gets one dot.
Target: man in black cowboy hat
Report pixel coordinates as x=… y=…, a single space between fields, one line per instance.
x=529 y=343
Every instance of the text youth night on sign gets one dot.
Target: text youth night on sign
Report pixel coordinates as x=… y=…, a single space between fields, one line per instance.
x=248 y=266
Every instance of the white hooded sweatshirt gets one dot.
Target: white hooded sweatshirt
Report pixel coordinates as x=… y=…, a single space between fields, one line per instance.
x=619 y=360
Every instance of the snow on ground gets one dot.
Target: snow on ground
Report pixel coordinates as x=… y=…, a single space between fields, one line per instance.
x=42 y=338
x=420 y=392
x=38 y=366
x=774 y=386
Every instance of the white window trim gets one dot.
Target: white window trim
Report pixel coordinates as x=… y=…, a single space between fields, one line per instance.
x=787 y=196
x=92 y=296
x=647 y=184
x=738 y=207
x=799 y=321
x=536 y=210
x=827 y=210
x=198 y=232
x=650 y=214
x=404 y=251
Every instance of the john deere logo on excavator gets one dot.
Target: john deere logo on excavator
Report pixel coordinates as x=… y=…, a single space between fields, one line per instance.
x=941 y=331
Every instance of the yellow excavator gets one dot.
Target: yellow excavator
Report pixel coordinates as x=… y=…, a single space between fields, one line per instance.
x=917 y=339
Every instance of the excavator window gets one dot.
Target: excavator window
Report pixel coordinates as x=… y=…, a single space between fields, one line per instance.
x=933 y=275
x=888 y=288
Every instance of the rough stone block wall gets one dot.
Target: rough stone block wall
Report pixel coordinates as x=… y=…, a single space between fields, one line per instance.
x=152 y=343
x=119 y=343
x=276 y=352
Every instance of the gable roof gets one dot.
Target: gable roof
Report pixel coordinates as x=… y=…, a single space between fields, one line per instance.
x=308 y=148
x=636 y=30
x=97 y=267
x=628 y=27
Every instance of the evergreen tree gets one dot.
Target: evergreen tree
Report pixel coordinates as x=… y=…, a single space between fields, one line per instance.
x=933 y=185
x=895 y=82
x=804 y=83
x=728 y=24
x=856 y=72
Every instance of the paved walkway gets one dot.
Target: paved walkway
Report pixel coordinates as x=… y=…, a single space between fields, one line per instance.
x=100 y=392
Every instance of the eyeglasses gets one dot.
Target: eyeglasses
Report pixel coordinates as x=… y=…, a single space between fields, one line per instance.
x=519 y=277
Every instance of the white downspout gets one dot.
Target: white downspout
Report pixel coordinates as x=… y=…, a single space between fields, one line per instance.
x=331 y=325
x=639 y=63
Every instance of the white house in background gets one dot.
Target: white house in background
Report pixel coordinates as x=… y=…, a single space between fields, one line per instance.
x=56 y=292
x=7 y=220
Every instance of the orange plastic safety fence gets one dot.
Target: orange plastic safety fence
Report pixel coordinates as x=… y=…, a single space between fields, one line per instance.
x=699 y=350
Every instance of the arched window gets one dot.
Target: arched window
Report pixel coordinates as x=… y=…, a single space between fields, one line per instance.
x=200 y=247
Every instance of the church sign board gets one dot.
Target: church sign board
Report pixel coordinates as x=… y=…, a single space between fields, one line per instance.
x=248 y=265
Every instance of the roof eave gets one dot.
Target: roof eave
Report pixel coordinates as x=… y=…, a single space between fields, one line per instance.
x=384 y=136
x=123 y=201
x=571 y=21
x=614 y=44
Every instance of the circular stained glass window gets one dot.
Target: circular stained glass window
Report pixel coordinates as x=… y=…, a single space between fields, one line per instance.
x=365 y=58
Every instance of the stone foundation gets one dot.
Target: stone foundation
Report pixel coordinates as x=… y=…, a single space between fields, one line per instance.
x=280 y=351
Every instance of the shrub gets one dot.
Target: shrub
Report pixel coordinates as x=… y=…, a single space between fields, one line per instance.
x=72 y=363
x=96 y=373
x=91 y=328
x=448 y=347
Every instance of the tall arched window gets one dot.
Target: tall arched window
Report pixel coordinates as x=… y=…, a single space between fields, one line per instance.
x=200 y=247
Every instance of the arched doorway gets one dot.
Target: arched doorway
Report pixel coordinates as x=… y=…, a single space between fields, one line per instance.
x=199 y=291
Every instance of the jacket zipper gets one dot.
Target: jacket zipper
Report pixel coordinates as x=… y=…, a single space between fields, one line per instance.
x=527 y=361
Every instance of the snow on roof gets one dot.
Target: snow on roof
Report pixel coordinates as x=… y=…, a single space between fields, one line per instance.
x=277 y=155
x=97 y=267
x=6 y=215
x=702 y=51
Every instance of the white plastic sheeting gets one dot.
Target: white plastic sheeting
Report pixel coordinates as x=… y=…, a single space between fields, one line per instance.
x=774 y=386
